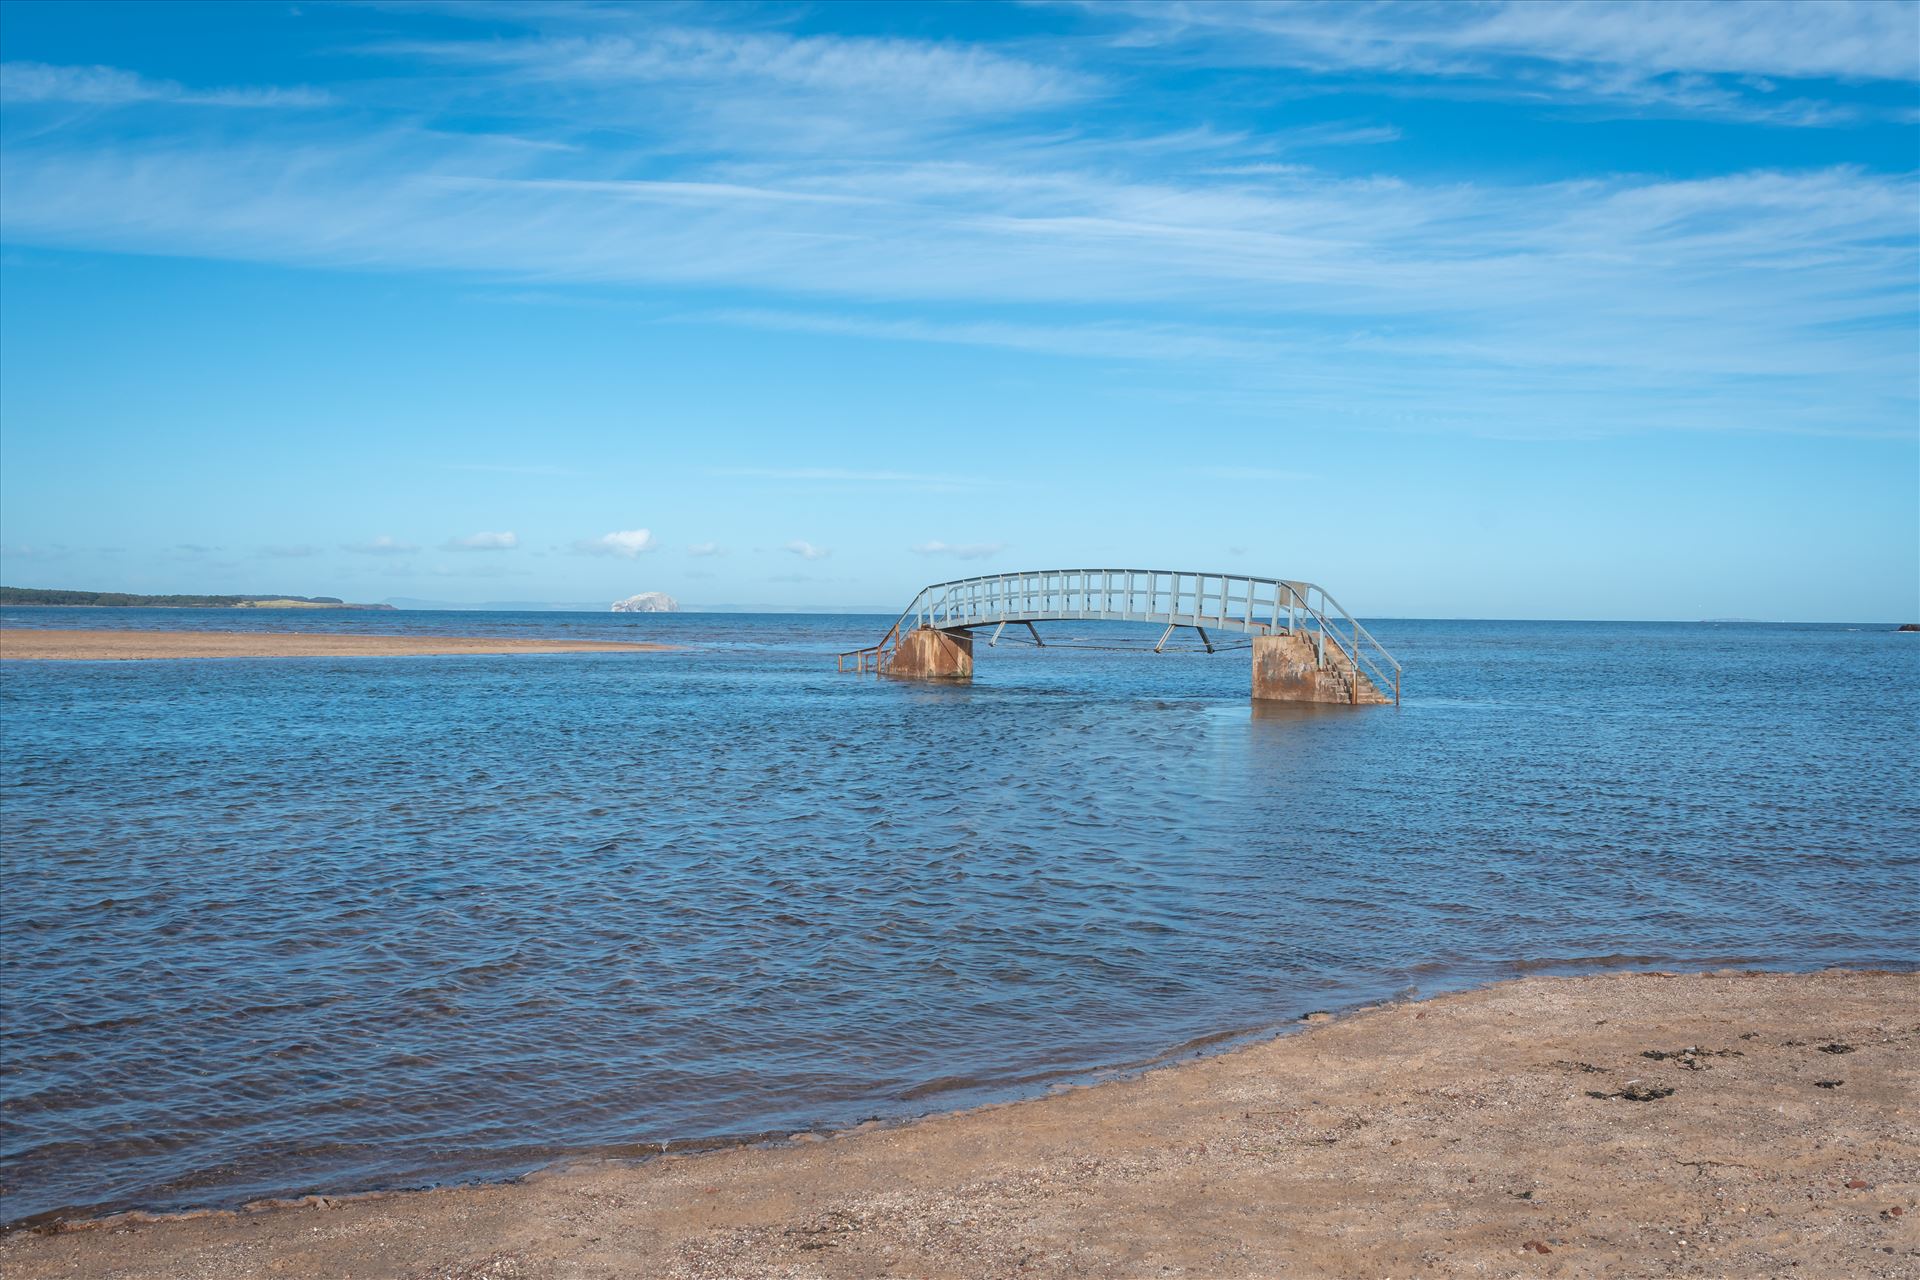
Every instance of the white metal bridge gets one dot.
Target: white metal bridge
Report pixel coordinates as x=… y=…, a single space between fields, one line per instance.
x=1218 y=602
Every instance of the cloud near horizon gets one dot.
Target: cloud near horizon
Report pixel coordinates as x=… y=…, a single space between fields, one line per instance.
x=504 y=541
x=629 y=543
x=384 y=545
x=807 y=551
x=960 y=551
x=838 y=475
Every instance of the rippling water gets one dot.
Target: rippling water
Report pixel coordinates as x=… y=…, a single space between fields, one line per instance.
x=307 y=924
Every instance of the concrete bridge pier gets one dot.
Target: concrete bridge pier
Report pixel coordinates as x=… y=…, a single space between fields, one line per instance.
x=927 y=654
x=1289 y=668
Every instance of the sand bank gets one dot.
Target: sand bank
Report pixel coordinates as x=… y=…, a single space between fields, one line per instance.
x=98 y=645
x=1545 y=1127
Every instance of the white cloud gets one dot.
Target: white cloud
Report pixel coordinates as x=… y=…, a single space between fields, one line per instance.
x=706 y=549
x=23 y=82
x=962 y=550
x=697 y=193
x=1865 y=39
x=511 y=470
x=384 y=545
x=807 y=551
x=1338 y=291
x=1633 y=50
x=1277 y=475
x=1770 y=300
x=837 y=475
x=505 y=541
x=624 y=542
x=35 y=551
x=912 y=75
x=1098 y=341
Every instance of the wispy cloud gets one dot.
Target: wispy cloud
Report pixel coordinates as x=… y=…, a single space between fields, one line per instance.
x=35 y=551
x=792 y=172
x=1264 y=474
x=706 y=549
x=1827 y=39
x=961 y=550
x=807 y=551
x=629 y=543
x=1613 y=288
x=844 y=475
x=914 y=75
x=504 y=541
x=703 y=193
x=384 y=545
x=509 y=469
x=27 y=82
x=1097 y=341
x=1710 y=58
x=1313 y=137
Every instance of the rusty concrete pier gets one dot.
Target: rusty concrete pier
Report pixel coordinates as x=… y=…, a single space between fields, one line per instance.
x=1306 y=648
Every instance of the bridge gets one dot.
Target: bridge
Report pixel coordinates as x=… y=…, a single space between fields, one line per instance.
x=1306 y=648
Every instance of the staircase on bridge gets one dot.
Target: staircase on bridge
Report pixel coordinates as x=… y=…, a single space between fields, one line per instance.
x=1306 y=648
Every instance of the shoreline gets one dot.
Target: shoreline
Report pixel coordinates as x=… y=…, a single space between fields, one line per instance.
x=24 y=644
x=1522 y=1127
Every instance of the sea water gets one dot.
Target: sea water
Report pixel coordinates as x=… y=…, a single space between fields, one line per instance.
x=287 y=925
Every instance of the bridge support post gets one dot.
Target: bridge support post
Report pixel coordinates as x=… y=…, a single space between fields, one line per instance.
x=927 y=654
x=1290 y=668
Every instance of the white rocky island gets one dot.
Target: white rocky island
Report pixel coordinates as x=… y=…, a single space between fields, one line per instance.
x=647 y=602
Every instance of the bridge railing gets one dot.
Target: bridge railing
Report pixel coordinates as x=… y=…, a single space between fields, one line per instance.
x=1225 y=601
x=1222 y=601
x=1354 y=643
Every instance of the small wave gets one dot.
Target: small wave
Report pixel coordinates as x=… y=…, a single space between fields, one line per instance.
x=1538 y=964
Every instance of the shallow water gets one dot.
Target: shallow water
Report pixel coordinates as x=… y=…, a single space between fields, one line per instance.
x=321 y=924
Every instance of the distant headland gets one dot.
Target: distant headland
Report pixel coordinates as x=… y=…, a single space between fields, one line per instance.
x=39 y=597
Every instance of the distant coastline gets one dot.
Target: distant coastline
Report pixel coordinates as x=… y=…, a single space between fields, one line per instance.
x=35 y=597
x=74 y=644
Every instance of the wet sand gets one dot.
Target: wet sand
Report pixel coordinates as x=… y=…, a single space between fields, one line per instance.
x=1729 y=1124
x=113 y=645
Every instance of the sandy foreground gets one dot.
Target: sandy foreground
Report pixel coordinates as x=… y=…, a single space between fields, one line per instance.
x=1731 y=1124
x=108 y=645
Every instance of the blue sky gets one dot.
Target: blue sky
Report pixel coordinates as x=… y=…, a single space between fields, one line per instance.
x=1600 y=310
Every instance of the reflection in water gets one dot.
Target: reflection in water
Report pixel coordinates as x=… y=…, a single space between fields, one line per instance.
x=274 y=926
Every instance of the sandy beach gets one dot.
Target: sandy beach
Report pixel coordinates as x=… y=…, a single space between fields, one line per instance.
x=116 y=645
x=1726 y=1124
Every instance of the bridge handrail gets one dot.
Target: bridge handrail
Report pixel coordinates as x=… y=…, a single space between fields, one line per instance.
x=1358 y=653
